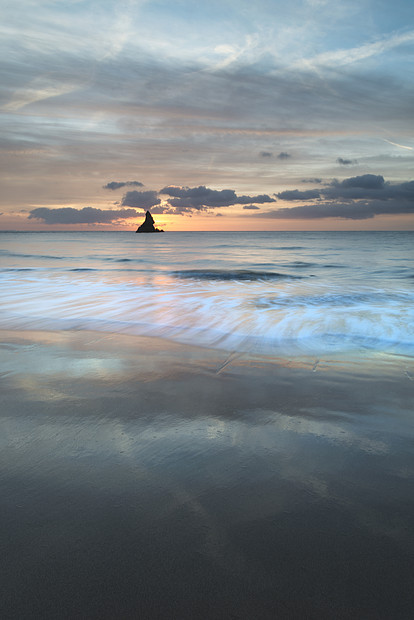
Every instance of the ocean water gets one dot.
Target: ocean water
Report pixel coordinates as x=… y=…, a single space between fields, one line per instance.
x=274 y=293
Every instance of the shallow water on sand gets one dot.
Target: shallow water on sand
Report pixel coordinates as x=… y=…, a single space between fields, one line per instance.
x=143 y=478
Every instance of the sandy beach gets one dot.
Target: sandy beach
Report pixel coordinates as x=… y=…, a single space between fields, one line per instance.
x=148 y=479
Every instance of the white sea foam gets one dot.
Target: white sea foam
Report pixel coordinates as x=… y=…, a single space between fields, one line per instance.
x=285 y=316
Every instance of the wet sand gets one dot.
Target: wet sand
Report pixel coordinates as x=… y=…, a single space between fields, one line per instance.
x=146 y=479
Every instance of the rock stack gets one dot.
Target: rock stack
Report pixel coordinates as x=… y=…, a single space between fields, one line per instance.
x=148 y=225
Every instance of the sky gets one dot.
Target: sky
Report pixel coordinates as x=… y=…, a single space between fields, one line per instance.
x=218 y=115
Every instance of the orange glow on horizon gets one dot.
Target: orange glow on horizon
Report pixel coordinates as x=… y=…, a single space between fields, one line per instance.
x=212 y=222
x=245 y=223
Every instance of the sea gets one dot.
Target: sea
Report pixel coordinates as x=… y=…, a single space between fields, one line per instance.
x=272 y=293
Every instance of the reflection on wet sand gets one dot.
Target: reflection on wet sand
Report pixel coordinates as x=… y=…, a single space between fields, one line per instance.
x=148 y=479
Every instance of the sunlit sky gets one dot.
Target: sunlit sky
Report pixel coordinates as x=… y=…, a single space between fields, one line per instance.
x=218 y=115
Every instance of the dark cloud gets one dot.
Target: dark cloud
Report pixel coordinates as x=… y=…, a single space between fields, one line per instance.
x=368 y=181
x=403 y=191
x=251 y=207
x=365 y=186
x=140 y=200
x=360 y=210
x=201 y=198
x=87 y=215
x=284 y=155
x=118 y=184
x=311 y=180
x=346 y=162
x=266 y=154
x=296 y=194
x=356 y=198
x=161 y=209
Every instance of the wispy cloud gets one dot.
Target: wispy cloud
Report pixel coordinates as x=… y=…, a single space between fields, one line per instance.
x=232 y=53
x=39 y=89
x=347 y=56
x=401 y=146
x=118 y=37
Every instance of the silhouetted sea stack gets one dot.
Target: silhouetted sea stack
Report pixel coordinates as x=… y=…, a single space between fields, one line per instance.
x=148 y=225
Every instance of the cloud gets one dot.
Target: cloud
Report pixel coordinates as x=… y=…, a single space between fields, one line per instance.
x=140 y=200
x=355 y=198
x=251 y=207
x=311 y=181
x=284 y=155
x=350 y=55
x=162 y=209
x=39 y=89
x=118 y=184
x=87 y=215
x=372 y=188
x=367 y=181
x=365 y=186
x=266 y=154
x=185 y=199
x=354 y=188
x=346 y=162
x=360 y=210
x=401 y=146
x=296 y=194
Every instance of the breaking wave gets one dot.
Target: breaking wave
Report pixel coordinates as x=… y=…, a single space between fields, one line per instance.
x=226 y=275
